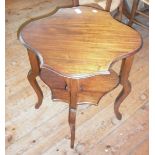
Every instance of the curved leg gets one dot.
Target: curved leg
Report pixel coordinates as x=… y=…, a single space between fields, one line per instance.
x=124 y=74
x=123 y=94
x=33 y=73
x=72 y=108
x=32 y=79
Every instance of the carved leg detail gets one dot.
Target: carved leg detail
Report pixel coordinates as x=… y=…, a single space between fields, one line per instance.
x=123 y=94
x=32 y=79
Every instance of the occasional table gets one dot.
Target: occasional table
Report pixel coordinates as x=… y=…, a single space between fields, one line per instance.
x=73 y=49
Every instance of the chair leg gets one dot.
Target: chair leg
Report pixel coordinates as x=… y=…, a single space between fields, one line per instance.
x=32 y=79
x=121 y=10
x=124 y=74
x=133 y=12
x=73 y=88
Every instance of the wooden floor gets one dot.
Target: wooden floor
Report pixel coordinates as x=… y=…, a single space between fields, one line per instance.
x=46 y=131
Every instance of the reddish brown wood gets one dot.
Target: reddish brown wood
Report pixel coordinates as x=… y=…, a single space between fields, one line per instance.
x=88 y=36
x=99 y=83
x=76 y=91
x=90 y=89
x=33 y=73
x=124 y=74
x=73 y=89
x=73 y=50
x=75 y=2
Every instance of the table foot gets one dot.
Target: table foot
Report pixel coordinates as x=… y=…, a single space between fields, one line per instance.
x=72 y=119
x=32 y=79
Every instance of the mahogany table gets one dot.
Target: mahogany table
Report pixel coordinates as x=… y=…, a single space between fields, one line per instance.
x=72 y=51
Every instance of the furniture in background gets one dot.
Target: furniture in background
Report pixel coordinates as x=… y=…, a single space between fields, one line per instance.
x=73 y=49
x=135 y=11
x=114 y=4
x=146 y=1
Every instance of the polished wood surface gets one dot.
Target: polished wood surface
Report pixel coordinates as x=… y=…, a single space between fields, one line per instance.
x=81 y=41
x=46 y=131
x=72 y=52
x=90 y=90
x=79 y=91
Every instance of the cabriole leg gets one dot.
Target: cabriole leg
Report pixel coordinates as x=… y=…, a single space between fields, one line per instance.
x=124 y=74
x=32 y=79
x=33 y=73
x=123 y=94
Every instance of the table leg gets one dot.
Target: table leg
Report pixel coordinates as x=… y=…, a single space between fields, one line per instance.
x=33 y=73
x=32 y=79
x=124 y=74
x=72 y=108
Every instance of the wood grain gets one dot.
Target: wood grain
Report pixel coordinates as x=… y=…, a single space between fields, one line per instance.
x=46 y=131
x=72 y=44
x=82 y=44
x=90 y=89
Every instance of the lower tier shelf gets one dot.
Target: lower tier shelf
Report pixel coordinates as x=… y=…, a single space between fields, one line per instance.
x=91 y=89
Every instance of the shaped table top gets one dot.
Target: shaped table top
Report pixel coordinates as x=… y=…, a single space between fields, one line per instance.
x=80 y=41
